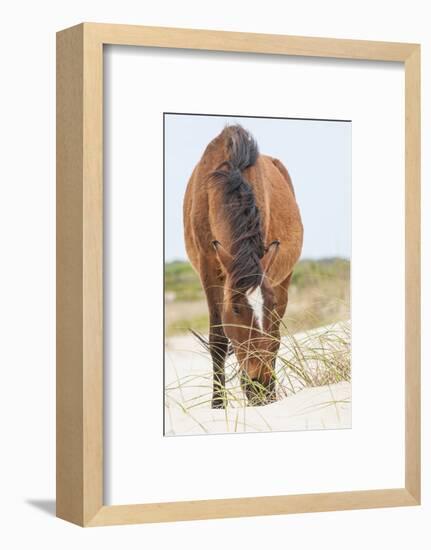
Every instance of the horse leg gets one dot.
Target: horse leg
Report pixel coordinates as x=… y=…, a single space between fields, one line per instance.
x=218 y=349
x=218 y=343
x=281 y=295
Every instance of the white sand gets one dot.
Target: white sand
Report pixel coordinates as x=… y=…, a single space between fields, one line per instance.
x=188 y=376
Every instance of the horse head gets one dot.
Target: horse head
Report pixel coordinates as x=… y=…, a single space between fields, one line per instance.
x=249 y=317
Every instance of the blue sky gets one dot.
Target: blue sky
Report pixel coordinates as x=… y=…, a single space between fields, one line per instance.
x=317 y=155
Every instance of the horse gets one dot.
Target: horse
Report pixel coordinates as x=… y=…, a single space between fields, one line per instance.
x=243 y=235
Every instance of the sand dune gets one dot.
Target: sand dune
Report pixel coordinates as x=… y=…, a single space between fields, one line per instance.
x=188 y=377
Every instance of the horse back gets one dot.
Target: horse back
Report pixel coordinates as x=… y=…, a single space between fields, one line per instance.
x=205 y=217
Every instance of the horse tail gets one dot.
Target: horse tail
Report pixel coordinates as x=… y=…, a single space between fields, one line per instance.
x=247 y=247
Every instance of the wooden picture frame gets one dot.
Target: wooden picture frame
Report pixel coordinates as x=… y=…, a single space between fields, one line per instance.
x=80 y=273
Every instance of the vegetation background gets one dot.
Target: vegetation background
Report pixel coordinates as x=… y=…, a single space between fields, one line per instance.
x=319 y=294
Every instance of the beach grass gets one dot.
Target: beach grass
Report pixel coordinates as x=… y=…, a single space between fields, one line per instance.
x=318 y=357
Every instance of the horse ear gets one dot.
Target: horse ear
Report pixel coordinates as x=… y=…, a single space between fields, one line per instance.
x=270 y=254
x=223 y=255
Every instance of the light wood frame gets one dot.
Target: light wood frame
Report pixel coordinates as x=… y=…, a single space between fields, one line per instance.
x=80 y=272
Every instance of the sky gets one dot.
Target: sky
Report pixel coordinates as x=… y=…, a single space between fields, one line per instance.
x=316 y=153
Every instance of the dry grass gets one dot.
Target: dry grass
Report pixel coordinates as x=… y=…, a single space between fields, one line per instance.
x=313 y=358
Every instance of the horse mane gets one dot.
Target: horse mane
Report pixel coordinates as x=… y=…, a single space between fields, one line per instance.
x=247 y=247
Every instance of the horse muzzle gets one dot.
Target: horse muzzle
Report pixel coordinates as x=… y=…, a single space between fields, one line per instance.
x=259 y=394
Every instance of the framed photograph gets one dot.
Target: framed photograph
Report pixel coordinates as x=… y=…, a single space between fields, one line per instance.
x=238 y=274
x=231 y=342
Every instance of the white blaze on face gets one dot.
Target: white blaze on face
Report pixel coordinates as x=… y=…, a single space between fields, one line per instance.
x=255 y=299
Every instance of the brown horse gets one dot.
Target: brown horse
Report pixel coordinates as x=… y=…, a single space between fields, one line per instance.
x=243 y=235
